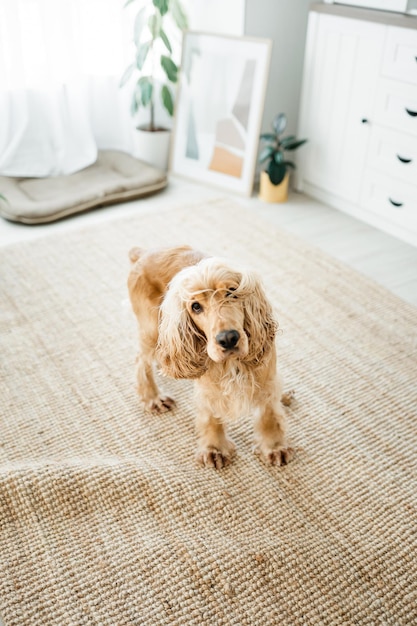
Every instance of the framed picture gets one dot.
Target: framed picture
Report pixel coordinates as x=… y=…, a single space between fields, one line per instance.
x=219 y=109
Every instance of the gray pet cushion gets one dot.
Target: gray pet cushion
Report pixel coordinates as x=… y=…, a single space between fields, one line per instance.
x=114 y=177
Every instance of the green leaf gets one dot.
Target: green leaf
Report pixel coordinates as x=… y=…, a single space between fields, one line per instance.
x=142 y=95
x=276 y=172
x=154 y=24
x=162 y=5
x=167 y=100
x=139 y=24
x=141 y=54
x=170 y=68
x=145 y=88
x=295 y=144
x=278 y=157
x=165 y=39
x=266 y=153
x=268 y=137
x=3 y=198
x=179 y=15
x=127 y=74
x=134 y=105
x=127 y=3
x=286 y=140
x=279 y=123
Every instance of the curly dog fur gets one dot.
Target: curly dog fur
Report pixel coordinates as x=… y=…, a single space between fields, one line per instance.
x=200 y=317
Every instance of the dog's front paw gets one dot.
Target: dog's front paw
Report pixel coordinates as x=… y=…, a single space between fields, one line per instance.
x=276 y=456
x=218 y=458
x=161 y=405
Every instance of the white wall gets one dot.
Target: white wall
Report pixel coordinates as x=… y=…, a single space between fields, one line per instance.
x=225 y=17
x=285 y=22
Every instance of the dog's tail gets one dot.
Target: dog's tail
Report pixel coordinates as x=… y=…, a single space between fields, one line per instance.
x=135 y=254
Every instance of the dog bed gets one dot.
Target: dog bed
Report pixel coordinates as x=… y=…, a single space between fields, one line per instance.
x=114 y=177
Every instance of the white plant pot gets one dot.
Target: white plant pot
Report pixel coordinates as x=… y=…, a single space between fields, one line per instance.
x=152 y=147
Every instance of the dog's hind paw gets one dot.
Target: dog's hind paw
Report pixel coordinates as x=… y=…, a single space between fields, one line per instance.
x=161 y=405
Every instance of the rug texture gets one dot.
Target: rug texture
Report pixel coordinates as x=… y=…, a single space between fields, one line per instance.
x=105 y=518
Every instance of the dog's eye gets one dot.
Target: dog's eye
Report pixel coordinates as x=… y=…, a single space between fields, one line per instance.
x=196 y=307
x=230 y=294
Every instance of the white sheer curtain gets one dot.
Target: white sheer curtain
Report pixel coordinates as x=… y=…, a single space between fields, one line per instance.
x=60 y=67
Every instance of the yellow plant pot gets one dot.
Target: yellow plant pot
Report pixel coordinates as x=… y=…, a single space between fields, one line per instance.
x=273 y=193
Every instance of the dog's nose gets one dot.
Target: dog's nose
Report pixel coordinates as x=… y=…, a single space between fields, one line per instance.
x=227 y=339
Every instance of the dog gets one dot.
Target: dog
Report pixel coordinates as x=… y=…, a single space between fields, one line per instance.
x=201 y=318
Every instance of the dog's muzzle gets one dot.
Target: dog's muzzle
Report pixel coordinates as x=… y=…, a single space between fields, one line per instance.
x=228 y=339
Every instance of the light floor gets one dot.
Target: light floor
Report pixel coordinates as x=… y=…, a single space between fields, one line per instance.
x=380 y=256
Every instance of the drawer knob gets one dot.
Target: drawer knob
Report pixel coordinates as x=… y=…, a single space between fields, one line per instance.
x=412 y=113
x=397 y=204
x=403 y=159
x=364 y=120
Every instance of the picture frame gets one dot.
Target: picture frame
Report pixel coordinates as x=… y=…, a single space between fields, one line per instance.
x=219 y=109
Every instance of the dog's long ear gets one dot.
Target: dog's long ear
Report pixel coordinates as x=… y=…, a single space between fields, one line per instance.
x=260 y=325
x=181 y=350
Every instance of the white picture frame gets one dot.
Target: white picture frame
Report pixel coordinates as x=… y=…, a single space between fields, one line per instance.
x=220 y=103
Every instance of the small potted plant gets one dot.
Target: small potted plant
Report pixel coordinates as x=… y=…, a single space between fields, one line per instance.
x=155 y=73
x=274 y=179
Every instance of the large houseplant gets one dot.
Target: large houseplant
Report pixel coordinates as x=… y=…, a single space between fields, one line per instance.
x=154 y=72
x=275 y=177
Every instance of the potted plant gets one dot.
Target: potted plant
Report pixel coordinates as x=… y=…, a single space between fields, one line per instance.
x=155 y=73
x=274 y=179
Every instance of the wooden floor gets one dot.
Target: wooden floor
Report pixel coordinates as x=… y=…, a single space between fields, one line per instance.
x=380 y=256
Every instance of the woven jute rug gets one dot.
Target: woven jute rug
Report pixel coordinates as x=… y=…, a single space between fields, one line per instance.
x=104 y=516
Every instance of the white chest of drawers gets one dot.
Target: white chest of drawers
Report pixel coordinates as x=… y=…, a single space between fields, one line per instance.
x=359 y=112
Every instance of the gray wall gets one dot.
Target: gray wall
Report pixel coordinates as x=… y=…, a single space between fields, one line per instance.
x=285 y=22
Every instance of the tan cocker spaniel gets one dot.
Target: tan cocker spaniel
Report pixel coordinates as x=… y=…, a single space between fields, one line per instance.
x=199 y=317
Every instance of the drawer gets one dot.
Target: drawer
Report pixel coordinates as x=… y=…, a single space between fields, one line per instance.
x=393 y=153
x=390 y=198
x=400 y=56
x=396 y=105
